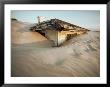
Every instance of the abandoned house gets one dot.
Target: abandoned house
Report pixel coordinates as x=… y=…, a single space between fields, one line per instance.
x=57 y=31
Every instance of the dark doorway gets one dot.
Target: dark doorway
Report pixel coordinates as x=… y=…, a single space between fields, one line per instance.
x=69 y=36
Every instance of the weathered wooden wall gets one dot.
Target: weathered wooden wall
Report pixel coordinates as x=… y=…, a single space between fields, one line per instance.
x=52 y=35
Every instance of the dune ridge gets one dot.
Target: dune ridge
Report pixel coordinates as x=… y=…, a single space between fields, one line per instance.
x=32 y=54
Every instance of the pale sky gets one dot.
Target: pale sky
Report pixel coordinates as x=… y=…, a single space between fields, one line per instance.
x=89 y=19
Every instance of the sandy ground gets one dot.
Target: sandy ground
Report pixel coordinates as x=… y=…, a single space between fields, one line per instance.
x=32 y=54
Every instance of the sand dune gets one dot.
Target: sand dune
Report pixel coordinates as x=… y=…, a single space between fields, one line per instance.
x=21 y=34
x=32 y=54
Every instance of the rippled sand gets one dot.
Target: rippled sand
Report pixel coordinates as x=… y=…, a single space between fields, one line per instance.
x=32 y=55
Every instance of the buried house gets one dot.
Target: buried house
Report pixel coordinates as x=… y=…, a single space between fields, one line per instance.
x=58 y=31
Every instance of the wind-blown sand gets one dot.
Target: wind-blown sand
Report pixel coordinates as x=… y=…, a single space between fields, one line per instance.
x=32 y=54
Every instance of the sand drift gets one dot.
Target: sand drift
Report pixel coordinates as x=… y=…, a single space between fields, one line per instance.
x=33 y=55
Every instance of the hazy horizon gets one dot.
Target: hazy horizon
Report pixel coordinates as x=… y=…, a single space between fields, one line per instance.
x=89 y=19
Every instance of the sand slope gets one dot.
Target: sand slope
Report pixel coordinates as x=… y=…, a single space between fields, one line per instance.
x=76 y=57
x=21 y=34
